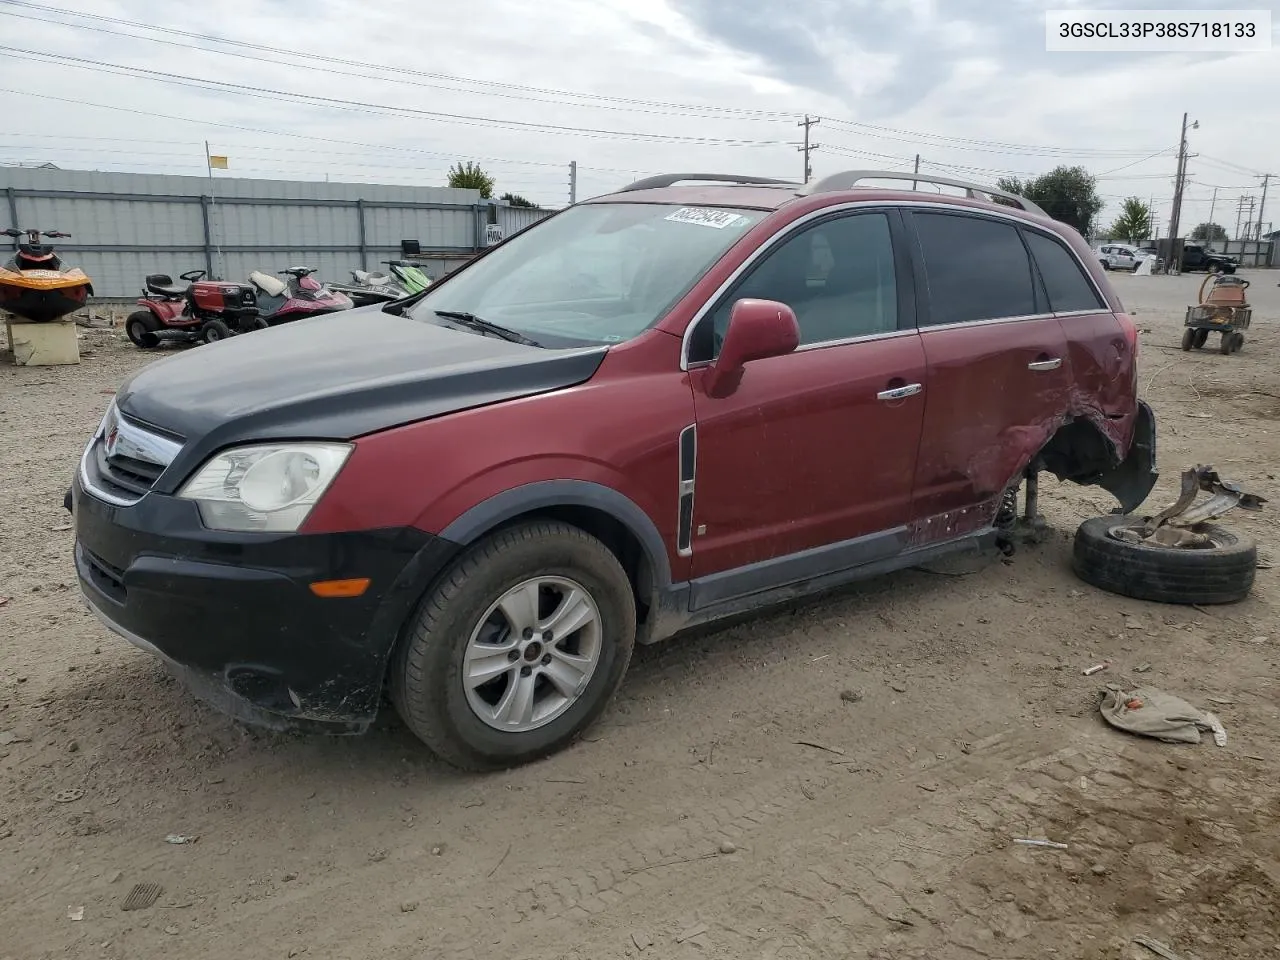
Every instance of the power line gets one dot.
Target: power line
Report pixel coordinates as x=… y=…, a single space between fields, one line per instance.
x=576 y=98
x=376 y=109
x=775 y=115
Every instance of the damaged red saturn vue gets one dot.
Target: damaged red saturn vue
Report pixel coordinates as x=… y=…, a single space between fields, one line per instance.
x=694 y=397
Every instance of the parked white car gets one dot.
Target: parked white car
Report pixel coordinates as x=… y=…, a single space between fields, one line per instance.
x=1120 y=256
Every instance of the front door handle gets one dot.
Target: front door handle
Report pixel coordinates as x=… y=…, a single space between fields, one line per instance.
x=1053 y=364
x=900 y=393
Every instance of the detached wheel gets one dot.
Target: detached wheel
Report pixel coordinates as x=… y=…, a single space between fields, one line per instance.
x=1222 y=573
x=215 y=330
x=518 y=649
x=141 y=328
x=1188 y=338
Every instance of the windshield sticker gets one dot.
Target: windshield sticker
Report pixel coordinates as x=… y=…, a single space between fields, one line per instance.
x=706 y=217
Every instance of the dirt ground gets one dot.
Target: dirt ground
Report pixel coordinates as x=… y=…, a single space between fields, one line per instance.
x=948 y=709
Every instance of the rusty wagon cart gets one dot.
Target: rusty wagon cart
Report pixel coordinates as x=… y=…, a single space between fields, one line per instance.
x=1222 y=309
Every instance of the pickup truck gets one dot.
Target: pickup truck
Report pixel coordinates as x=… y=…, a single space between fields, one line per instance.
x=1196 y=257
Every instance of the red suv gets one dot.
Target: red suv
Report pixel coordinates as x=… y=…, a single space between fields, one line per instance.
x=692 y=398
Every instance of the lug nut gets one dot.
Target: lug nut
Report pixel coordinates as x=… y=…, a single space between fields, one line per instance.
x=546 y=636
x=527 y=633
x=513 y=655
x=546 y=658
x=525 y=671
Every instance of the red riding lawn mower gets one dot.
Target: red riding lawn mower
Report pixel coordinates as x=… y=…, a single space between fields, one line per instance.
x=212 y=310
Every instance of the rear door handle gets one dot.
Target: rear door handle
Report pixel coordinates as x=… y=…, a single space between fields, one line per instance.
x=899 y=393
x=1053 y=364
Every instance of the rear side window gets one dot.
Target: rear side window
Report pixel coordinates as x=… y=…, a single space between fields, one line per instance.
x=1064 y=279
x=975 y=269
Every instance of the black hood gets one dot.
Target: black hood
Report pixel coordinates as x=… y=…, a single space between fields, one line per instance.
x=337 y=376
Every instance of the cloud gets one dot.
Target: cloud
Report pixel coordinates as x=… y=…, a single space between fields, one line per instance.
x=879 y=72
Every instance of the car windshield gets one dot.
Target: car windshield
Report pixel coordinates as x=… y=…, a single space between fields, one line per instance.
x=596 y=273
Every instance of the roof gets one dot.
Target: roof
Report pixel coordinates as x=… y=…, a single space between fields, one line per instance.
x=759 y=193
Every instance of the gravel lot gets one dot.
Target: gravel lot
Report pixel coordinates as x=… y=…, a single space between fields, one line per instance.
x=948 y=709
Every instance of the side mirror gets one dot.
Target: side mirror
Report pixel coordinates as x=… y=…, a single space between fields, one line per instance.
x=757 y=329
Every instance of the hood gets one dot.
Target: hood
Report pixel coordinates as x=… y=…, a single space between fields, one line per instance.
x=337 y=376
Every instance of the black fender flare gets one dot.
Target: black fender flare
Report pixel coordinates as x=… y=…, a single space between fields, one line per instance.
x=542 y=494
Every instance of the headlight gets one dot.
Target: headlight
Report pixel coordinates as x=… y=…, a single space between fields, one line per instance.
x=267 y=487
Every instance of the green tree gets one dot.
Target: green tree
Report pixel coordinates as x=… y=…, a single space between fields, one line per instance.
x=469 y=176
x=1209 y=232
x=516 y=200
x=1068 y=194
x=1134 y=222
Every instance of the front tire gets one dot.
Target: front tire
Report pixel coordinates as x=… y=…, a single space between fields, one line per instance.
x=1188 y=338
x=141 y=329
x=517 y=649
x=215 y=330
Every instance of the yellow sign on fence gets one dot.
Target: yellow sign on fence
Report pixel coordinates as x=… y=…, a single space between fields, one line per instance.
x=218 y=163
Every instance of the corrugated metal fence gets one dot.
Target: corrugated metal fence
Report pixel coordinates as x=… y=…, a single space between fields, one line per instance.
x=124 y=225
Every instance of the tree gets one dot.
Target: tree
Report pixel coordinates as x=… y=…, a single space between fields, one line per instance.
x=516 y=200
x=1209 y=232
x=1068 y=194
x=469 y=176
x=1134 y=222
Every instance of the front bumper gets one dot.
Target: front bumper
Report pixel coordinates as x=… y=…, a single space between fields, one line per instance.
x=235 y=615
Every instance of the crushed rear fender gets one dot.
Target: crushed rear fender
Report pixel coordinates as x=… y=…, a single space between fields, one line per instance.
x=1131 y=480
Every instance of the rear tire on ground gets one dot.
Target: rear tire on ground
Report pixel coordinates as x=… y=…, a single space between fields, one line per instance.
x=1237 y=341
x=141 y=329
x=1189 y=338
x=1228 y=343
x=1223 y=573
x=1202 y=337
x=257 y=323
x=461 y=618
x=215 y=330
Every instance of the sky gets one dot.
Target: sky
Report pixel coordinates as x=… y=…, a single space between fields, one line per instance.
x=396 y=92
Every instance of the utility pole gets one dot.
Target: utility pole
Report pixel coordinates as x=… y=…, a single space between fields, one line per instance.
x=1213 y=203
x=573 y=182
x=808 y=147
x=1262 y=206
x=1175 y=215
x=1240 y=205
x=916 y=170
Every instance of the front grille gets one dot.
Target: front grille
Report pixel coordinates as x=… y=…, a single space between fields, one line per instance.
x=125 y=459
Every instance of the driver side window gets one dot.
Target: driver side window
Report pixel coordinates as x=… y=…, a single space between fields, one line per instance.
x=837 y=275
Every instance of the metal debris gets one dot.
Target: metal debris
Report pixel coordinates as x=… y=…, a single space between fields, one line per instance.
x=141 y=896
x=179 y=838
x=1052 y=844
x=1174 y=526
x=68 y=796
x=1156 y=947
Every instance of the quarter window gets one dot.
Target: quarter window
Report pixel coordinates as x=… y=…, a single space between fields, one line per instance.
x=1064 y=279
x=838 y=276
x=976 y=269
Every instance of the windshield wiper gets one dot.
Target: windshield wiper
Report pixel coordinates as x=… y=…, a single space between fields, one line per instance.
x=477 y=323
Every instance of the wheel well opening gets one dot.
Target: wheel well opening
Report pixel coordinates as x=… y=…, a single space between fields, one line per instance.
x=1078 y=452
x=615 y=535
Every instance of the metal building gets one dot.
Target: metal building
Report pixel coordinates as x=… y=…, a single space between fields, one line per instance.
x=126 y=225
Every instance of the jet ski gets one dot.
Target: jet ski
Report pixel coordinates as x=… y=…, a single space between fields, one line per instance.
x=34 y=285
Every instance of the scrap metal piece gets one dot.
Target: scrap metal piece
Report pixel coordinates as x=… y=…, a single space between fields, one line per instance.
x=141 y=896
x=1174 y=525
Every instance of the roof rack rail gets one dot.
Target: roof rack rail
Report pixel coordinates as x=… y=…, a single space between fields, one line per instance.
x=670 y=179
x=848 y=179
